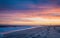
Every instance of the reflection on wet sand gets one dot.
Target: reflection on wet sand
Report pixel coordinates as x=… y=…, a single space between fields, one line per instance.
x=39 y=32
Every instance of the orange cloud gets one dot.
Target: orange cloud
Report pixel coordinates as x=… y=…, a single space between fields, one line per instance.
x=45 y=16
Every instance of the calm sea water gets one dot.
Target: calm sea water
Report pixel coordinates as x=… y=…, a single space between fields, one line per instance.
x=6 y=29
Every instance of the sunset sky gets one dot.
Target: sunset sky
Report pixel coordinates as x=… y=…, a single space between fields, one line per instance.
x=30 y=12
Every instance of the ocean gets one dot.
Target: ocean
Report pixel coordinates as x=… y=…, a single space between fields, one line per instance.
x=7 y=29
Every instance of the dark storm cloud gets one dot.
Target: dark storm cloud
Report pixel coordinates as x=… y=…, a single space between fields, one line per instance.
x=25 y=4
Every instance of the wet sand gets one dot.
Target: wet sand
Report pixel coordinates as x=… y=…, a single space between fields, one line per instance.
x=38 y=32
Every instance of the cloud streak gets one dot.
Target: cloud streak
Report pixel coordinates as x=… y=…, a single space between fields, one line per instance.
x=31 y=17
x=30 y=12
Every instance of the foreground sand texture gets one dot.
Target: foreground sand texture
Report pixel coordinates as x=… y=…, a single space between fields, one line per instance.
x=39 y=32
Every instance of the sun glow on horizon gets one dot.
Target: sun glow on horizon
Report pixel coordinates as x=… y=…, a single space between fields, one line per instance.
x=44 y=17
